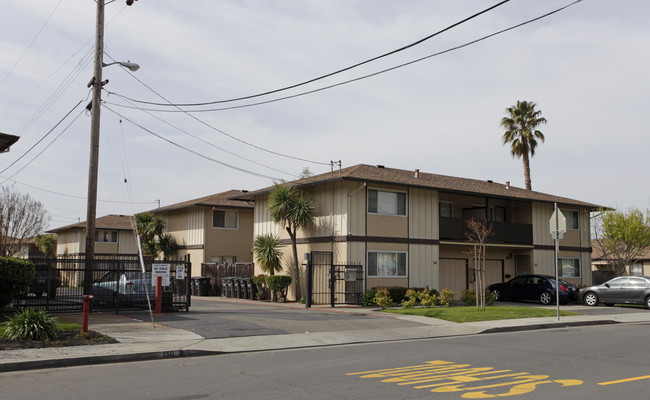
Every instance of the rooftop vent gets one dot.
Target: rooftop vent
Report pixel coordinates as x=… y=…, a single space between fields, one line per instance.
x=417 y=173
x=507 y=184
x=380 y=166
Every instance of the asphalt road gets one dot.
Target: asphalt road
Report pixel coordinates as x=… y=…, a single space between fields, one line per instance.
x=596 y=362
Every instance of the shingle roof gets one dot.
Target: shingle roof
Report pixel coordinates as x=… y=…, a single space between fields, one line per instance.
x=111 y=221
x=443 y=183
x=597 y=253
x=214 y=200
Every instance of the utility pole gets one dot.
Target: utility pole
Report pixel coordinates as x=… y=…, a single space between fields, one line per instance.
x=93 y=165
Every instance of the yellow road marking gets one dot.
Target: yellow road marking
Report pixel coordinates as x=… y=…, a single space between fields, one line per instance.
x=638 y=378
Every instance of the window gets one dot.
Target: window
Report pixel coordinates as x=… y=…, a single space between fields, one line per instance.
x=569 y=267
x=571 y=220
x=386 y=203
x=105 y=236
x=446 y=209
x=636 y=269
x=223 y=259
x=225 y=219
x=385 y=264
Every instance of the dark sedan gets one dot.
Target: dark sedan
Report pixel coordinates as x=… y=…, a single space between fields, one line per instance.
x=533 y=288
x=620 y=290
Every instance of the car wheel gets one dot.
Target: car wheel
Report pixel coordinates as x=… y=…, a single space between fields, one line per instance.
x=545 y=298
x=497 y=294
x=591 y=299
x=647 y=302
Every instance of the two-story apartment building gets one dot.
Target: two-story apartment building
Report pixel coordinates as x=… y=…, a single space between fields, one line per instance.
x=407 y=228
x=211 y=229
x=113 y=236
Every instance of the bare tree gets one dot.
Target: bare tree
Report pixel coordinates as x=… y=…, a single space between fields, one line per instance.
x=21 y=217
x=478 y=233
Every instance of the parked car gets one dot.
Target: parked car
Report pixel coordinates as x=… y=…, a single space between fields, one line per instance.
x=46 y=280
x=620 y=290
x=534 y=288
x=123 y=288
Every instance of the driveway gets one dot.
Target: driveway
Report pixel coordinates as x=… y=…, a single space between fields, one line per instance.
x=215 y=317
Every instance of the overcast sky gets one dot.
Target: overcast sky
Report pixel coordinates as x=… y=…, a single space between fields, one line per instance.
x=586 y=67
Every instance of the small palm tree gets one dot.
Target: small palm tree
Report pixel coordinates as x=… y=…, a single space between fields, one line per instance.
x=293 y=210
x=521 y=132
x=168 y=245
x=268 y=253
x=150 y=227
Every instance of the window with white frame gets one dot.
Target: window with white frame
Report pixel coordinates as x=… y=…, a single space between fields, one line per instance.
x=386 y=202
x=102 y=236
x=225 y=219
x=571 y=219
x=446 y=209
x=569 y=267
x=387 y=264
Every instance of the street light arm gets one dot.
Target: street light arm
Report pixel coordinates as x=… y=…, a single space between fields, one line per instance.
x=127 y=64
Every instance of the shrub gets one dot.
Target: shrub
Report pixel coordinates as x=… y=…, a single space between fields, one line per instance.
x=383 y=299
x=279 y=283
x=447 y=297
x=260 y=283
x=31 y=325
x=429 y=298
x=468 y=297
x=369 y=298
x=412 y=299
x=15 y=276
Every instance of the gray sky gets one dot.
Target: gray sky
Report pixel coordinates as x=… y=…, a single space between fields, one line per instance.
x=586 y=67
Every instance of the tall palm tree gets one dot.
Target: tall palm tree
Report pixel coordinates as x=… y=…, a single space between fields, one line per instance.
x=521 y=132
x=168 y=245
x=150 y=227
x=268 y=253
x=293 y=210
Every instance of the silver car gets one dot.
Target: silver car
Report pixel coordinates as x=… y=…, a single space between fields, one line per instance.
x=620 y=290
x=127 y=287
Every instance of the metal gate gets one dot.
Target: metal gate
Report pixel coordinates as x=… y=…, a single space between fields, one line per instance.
x=335 y=283
x=118 y=283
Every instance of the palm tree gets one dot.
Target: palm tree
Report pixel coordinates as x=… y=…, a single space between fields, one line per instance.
x=522 y=134
x=150 y=227
x=168 y=245
x=292 y=209
x=267 y=253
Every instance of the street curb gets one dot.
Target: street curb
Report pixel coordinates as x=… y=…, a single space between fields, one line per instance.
x=550 y=325
x=107 y=359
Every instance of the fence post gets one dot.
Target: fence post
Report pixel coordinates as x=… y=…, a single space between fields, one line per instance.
x=188 y=281
x=332 y=283
x=310 y=280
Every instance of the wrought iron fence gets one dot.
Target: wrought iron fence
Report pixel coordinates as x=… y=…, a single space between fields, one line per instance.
x=116 y=284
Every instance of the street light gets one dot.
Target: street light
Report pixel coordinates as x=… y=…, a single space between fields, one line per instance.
x=126 y=64
x=93 y=163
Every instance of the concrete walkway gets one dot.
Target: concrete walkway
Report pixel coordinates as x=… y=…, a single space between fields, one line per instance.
x=140 y=339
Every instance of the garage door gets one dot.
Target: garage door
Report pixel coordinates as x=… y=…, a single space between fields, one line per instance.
x=453 y=275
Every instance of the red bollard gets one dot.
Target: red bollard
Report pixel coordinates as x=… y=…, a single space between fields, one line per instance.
x=159 y=295
x=86 y=310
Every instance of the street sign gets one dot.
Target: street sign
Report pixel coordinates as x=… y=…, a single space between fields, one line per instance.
x=561 y=224
x=160 y=270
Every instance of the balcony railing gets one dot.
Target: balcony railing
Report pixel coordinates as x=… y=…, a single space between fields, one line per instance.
x=503 y=232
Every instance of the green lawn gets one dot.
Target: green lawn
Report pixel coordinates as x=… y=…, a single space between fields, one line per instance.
x=471 y=314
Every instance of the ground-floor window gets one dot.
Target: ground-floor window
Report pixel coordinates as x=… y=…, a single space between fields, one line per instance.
x=387 y=263
x=569 y=267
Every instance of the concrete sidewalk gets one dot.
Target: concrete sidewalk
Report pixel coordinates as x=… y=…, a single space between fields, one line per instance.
x=141 y=340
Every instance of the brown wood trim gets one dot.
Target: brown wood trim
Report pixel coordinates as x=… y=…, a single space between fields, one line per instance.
x=191 y=247
x=563 y=248
x=354 y=238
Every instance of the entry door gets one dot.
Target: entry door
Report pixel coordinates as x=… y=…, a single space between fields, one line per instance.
x=522 y=265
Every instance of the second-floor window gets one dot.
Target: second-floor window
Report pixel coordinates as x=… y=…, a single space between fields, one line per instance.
x=571 y=219
x=386 y=203
x=446 y=209
x=225 y=219
x=102 y=236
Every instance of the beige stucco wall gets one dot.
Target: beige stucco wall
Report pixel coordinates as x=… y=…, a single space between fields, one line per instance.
x=229 y=242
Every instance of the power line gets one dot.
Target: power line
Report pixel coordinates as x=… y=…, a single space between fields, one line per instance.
x=190 y=150
x=331 y=73
x=214 y=128
x=358 y=78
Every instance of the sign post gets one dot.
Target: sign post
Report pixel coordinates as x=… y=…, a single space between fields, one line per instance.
x=557 y=225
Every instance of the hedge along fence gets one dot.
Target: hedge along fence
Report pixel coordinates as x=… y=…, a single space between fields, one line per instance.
x=397 y=294
x=15 y=276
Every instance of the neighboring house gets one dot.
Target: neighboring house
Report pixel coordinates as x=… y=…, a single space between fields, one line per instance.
x=113 y=236
x=408 y=228
x=599 y=263
x=212 y=229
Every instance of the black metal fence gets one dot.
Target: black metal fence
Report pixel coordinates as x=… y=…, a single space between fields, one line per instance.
x=115 y=283
x=335 y=283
